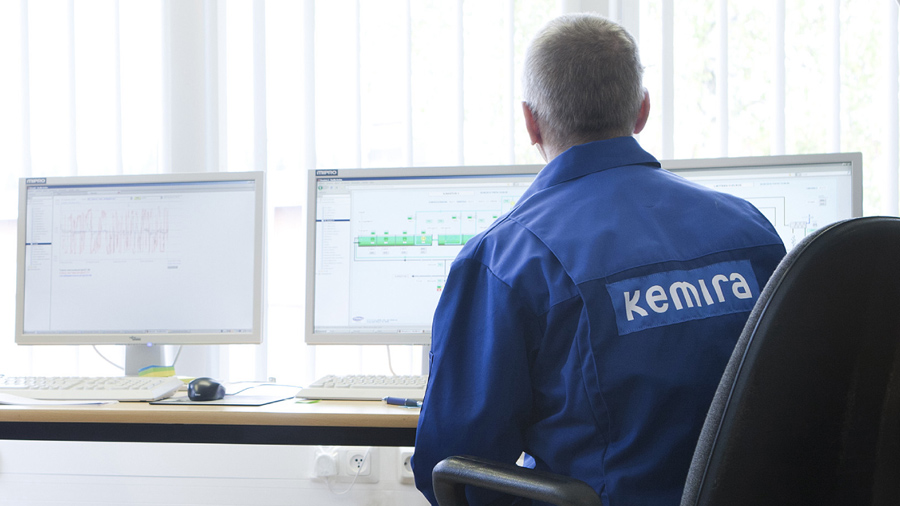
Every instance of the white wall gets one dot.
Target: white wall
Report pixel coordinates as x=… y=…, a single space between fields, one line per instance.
x=74 y=473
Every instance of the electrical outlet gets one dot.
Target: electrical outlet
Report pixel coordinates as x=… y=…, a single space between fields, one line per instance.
x=358 y=464
x=405 y=472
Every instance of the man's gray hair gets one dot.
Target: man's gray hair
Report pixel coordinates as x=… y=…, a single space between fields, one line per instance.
x=583 y=80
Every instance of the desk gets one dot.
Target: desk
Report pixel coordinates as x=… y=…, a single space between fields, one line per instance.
x=338 y=423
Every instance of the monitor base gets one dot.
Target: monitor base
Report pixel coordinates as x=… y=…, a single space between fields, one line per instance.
x=138 y=356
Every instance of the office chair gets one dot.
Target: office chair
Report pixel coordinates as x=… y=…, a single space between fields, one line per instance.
x=808 y=409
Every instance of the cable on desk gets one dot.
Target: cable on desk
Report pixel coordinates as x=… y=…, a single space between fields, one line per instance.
x=257 y=385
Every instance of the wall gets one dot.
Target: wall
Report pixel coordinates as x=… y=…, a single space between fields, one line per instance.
x=74 y=473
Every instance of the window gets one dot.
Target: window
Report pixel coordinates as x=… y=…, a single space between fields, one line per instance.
x=775 y=77
x=107 y=86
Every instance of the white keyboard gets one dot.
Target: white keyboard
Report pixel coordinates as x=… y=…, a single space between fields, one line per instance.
x=365 y=387
x=112 y=388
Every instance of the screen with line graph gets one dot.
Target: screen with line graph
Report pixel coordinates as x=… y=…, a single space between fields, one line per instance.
x=380 y=244
x=162 y=259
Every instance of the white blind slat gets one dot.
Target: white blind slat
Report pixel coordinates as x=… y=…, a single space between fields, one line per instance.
x=668 y=78
x=260 y=142
x=778 y=131
x=117 y=73
x=722 y=75
x=892 y=101
x=834 y=31
x=407 y=85
x=461 y=84
x=71 y=141
x=26 y=90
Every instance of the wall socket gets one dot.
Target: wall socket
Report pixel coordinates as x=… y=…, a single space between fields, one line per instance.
x=346 y=464
x=358 y=462
x=405 y=460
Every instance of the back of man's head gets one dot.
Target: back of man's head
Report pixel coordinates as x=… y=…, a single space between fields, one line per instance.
x=583 y=80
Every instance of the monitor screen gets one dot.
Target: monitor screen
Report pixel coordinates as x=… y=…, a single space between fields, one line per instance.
x=380 y=244
x=380 y=241
x=797 y=193
x=157 y=259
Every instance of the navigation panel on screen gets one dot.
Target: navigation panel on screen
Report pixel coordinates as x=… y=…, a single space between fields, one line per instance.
x=381 y=242
x=172 y=259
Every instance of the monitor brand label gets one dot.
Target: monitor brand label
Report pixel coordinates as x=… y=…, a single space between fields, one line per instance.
x=36 y=180
x=667 y=298
x=331 y=172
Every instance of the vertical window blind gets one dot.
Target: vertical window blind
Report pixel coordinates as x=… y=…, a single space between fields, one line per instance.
x=776 y=77
x=118 y=87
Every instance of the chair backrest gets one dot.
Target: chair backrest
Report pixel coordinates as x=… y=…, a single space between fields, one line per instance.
x=808 y=410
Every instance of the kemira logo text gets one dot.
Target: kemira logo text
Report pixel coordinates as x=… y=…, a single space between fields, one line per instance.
x=667 y=298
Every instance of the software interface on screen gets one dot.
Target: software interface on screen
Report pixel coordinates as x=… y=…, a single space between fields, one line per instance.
x=381 y=240
x=121 y=261
x=382 y=247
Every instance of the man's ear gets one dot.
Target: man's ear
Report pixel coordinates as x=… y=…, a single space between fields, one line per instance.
x=643 y=114
x=534 y=131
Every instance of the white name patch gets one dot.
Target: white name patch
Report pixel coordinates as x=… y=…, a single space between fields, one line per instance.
x=667 y=298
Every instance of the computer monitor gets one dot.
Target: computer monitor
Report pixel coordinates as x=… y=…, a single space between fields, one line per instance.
x=380 y=241
x=797 y=193
x=141 y=261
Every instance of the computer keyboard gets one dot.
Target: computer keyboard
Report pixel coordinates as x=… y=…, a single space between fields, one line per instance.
x=112 y=388
x=365 y=387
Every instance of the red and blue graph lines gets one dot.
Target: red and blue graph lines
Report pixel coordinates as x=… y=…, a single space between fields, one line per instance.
x=114 y=232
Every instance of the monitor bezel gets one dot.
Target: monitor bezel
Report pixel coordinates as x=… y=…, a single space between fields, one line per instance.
x=779 y=161
x=255 y=336
x=313 y=176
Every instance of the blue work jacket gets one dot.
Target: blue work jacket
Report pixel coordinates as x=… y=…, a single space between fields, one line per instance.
x=589 y=327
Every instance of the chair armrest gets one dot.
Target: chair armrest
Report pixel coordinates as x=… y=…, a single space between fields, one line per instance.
x=451 y=475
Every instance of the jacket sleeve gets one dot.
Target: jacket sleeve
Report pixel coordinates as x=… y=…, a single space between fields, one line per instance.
x=479 y=395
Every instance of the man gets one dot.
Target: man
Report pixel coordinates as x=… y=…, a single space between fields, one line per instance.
x=589 y=327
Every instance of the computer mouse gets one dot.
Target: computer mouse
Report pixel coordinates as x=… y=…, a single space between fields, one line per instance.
x=205 y=389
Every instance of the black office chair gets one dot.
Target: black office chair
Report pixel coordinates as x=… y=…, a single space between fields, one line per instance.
x=808 y=409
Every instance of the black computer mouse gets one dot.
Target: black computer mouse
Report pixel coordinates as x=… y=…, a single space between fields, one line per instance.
x=205 y=389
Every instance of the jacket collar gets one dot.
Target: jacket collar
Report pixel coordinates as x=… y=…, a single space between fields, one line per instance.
x=588 y=158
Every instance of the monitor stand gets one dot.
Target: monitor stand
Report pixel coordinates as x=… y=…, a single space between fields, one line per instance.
x=138 y=356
